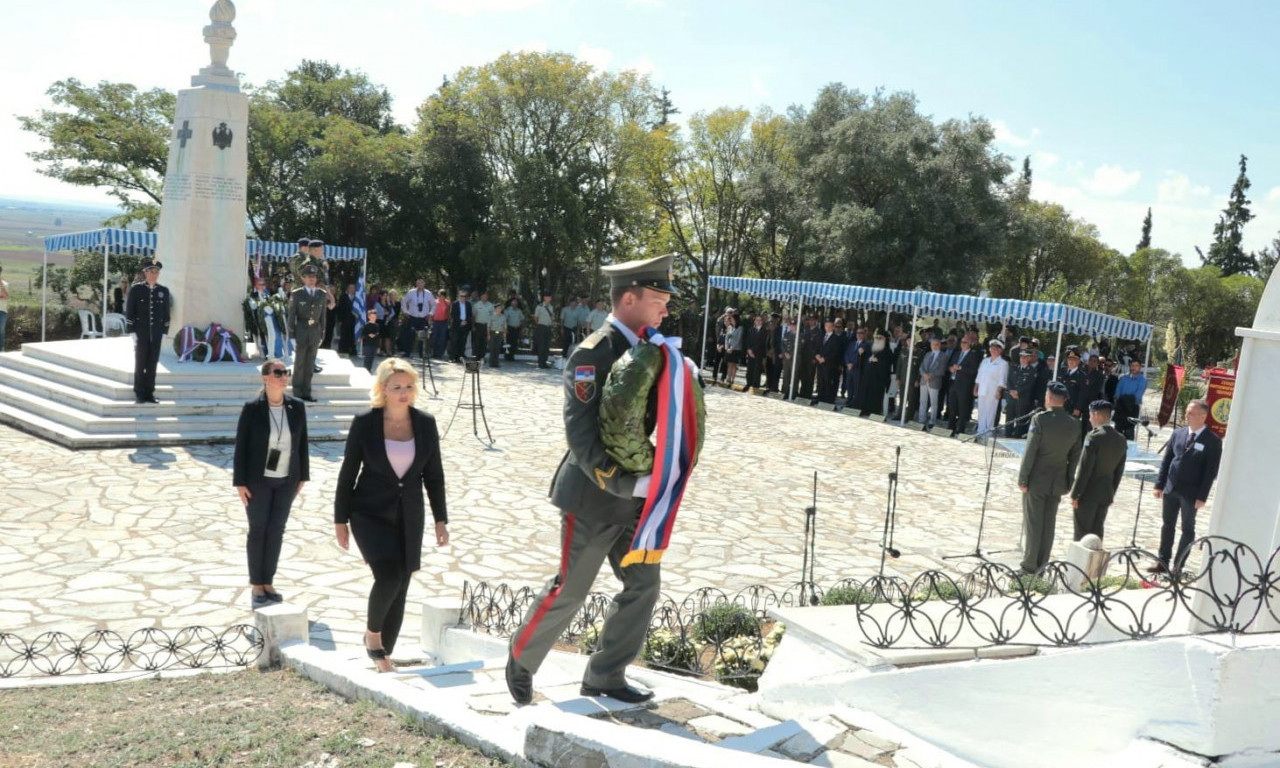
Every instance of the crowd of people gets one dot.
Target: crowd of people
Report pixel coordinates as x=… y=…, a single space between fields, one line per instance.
x=848 y=365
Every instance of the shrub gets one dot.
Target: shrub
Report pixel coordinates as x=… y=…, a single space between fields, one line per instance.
x=1029 y=583
x=1123 y=581
x=723 y=621
x=590 y=638
x=24 y=325
x=851 y=596
x=667 y=650
x=941 y=590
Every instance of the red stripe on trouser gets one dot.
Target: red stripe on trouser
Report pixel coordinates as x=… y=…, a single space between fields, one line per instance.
x=550 y=599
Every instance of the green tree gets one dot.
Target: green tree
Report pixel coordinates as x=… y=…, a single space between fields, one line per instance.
x=110 y=136
x=1206 y=308
x=1267 y=259
x=1226 y=252
x=1048 y=255
x=1145 y=242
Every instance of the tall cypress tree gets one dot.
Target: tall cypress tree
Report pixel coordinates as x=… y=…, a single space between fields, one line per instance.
x=1226 y=252
x=1145 y=242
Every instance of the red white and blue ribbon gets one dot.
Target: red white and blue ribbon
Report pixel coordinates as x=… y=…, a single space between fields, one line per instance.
x=675 y=445
x=189 y=342
x=222 y=345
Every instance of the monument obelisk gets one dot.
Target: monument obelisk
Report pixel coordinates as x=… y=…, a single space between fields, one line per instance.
x=202 y=216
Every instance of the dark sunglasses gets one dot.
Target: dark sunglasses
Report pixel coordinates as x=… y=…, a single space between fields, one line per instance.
x=279 y=373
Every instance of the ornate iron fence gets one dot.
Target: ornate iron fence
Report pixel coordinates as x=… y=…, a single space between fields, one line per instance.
x=144 y=650
x=729 y=635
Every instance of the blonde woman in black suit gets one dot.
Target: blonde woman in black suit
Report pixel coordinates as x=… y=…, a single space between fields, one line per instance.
x=271 y=465
x=393 y=453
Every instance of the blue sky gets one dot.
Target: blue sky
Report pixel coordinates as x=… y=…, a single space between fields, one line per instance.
x=1121 y=105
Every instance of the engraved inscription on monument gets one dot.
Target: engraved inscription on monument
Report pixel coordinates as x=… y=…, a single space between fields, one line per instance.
x=203 y=186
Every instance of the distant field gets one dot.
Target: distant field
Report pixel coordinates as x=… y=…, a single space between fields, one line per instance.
x=23 y=223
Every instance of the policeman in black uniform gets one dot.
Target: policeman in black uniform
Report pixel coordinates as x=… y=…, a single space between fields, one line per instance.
x=599 y=503
x=147 y=312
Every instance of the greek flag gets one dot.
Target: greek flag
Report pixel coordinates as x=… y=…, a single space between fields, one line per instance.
x=357 y=306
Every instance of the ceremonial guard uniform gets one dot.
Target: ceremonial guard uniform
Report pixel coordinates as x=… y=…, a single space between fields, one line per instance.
x=1101 y=467
x=600 y=505
x=1053 y=448
x=147 y=314
x=307 y=308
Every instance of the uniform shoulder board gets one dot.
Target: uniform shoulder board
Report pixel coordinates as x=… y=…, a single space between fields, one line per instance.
x=592 y=341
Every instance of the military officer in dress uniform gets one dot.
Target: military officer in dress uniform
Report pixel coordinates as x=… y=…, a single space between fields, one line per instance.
x=147 y=312
x=307 y=308
x=1074 y=377
x=1101 y=467
x=1053 y=448
x=1023 y=377
x=599 y=504
x=306 y=255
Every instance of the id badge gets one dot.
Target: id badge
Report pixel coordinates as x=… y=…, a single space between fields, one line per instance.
x=273 y=459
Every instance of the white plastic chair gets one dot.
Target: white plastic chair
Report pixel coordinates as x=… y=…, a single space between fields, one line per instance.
x=89 y=325
x=114 y=324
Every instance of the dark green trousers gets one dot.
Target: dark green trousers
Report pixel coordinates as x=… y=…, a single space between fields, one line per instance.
x=1039 y=517
x=1089 y=517
x=585 y=544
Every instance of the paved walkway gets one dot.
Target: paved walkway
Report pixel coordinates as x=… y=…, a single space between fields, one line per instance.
x=154 y=537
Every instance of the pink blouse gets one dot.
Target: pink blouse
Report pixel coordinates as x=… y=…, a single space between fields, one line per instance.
x=400 y=453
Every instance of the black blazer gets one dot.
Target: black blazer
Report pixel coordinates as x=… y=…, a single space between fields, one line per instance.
x=968 y=372
x=368 y=487
x=253 y=435
x=1189 y=471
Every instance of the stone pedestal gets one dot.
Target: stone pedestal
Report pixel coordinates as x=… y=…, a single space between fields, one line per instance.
x=279 y=625
x=1089 y=556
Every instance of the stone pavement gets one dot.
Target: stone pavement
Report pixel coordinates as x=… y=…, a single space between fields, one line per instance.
x=123 y=539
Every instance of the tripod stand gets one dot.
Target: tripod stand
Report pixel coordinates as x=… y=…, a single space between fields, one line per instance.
x=810 y=547
x=986 y=494
x=476 y=406
x=427 y=370
x=890 y=514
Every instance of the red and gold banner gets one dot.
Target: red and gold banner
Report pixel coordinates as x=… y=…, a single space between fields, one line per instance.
x=1218 y=394
x=1169 y=400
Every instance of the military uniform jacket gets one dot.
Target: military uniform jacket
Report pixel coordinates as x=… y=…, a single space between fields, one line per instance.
x=1101 y=465
x=307 y=312
x=1053 y=448
x=588 y=482
x=1023 y=379
x=299 y=260
x=1076 y=385
x=147 y=310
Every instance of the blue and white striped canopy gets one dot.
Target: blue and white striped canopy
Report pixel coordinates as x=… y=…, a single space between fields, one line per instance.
x=128 y=241
x=1039 y=315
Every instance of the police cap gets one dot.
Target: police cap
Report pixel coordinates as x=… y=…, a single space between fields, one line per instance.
x=1100 y=405
x=304 y=242
x=316 y=243
x=652 y=273
x=996 y=343
x=152 y=264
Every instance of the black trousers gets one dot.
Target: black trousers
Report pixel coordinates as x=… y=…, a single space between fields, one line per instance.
x=268 y=512
x=479 y=340
x=771 y=371
x=347 y=338
x=513 y=341
x=146 y=355
x=386 y=599
x=542 y=343
x=1177 y=507
x=755 y=366
x=960 y=406
x=828 y=381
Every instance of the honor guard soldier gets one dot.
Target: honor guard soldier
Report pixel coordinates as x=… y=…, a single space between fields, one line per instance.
x=1101 y=467
x=599 y=503
x=147 y=314
x=1048 y=465
x=307 y=308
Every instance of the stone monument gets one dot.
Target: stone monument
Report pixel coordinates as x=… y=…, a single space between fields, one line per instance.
x=202 y=216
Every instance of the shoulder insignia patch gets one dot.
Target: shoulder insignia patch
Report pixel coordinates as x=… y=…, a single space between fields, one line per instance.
x=584 y=384
x=602 y=475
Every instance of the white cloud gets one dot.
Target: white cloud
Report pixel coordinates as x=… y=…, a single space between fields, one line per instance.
x=595 y=56
x=758 y=86
x=1111 y=180
x=643 y=66
x=647 y=3
x=1006 y=136
x=1177 y=187
x=480 y=7
x=1274 y=195
x=532 y=46
x=1043 y=161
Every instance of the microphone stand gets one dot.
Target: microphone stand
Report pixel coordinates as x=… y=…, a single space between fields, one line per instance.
x=1142 y=488
x=890 y=514
x=982 y=519
x=810 y=548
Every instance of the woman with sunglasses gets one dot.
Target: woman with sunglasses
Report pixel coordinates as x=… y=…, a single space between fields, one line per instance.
x=392 y=455
x=271 y=466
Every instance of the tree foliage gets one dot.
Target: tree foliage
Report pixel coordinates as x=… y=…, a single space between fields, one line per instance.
x=1145 y=241
x=1226 y=253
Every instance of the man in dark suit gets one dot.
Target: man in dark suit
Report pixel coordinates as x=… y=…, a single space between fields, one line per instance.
x=756 y=345
x=1187 y=472
x=147 y=314
x=773 y=352
x=786 y=356
x=600 y=505
x=347 y=321
x=1053 y=448
x=810 y=348
x=828 y=361
x=1101 y=467
x=461 y=320
x=962 y=372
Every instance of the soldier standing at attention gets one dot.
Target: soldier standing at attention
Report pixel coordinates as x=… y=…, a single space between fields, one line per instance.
x=543 y=318
x=1053 y=448
x=599 y=505
x=1101 y=467
x=147 y=313
x=307 y=308
x=1023 y=379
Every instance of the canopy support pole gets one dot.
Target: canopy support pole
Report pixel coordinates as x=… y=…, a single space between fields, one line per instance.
x=44 y=294
x=106 y=287
x=706 y=324
x=795 y=349
x=911 y=354
x=1147 y=364
x=1057 y=353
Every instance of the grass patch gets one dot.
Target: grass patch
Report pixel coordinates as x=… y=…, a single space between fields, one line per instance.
x=246 y=718
x=1122 y=581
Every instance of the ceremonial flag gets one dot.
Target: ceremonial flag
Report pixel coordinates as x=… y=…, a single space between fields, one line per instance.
x=1169 y=397
x=357 y=307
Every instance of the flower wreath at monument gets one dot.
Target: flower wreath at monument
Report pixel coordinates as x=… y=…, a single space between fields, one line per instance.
x=214 y=344
x=268 y=321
